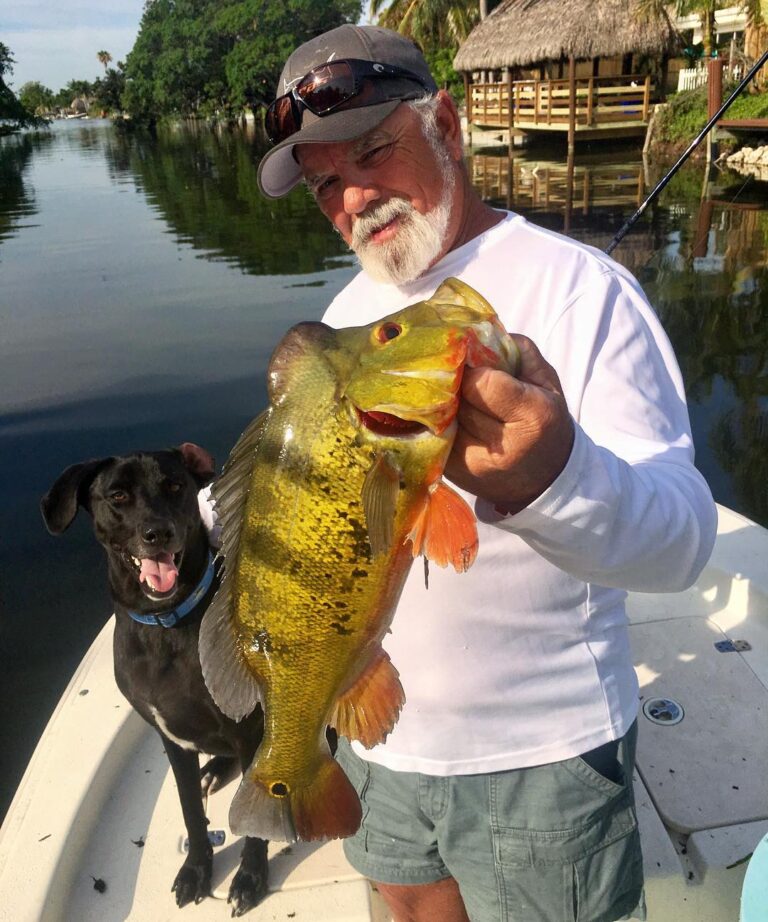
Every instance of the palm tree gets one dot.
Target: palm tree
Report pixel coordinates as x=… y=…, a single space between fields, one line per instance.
x=104 y=57
x=428 y=22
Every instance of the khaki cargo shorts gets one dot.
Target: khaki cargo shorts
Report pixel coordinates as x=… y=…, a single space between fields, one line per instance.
x=553 y=843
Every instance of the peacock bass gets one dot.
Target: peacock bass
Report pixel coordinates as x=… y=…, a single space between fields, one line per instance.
x=324 y=502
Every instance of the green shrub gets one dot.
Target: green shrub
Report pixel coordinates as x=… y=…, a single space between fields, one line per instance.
x=686 y=113
x=683 y=117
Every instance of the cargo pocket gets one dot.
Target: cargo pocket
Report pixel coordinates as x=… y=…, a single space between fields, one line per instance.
x=566 y=845
x=609 y=881
x=535 y=884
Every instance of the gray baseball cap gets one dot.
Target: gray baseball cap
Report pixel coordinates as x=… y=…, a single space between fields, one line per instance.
x=279 y=171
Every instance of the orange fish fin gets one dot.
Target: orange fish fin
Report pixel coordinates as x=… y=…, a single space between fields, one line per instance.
x=380 y=491
x=326 y=808
x=369 y=709
x=329 y=808
x=445 y=530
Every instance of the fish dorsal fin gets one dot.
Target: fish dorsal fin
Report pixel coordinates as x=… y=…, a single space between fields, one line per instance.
x=445 y=529
x=230 y=683
x=380 y=491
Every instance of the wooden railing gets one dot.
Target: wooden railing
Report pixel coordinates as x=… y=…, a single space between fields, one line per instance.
x=600 y=101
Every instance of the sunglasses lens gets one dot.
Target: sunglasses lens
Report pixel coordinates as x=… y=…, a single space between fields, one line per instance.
x=279 y=121
x=327 y=87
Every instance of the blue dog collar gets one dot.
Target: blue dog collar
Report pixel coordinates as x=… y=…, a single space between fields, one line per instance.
x=172 y=618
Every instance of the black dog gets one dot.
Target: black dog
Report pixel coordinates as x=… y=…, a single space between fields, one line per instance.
x=161 y=576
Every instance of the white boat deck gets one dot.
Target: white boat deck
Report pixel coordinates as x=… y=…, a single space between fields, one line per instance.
x=99 y=784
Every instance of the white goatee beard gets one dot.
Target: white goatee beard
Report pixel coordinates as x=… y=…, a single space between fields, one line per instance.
x=416 y=245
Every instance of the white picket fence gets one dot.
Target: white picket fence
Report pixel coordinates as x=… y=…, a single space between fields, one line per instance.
x=691 y=77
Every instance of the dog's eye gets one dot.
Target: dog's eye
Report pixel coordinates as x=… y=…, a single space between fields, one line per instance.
x=173 y=486
x=118 y=496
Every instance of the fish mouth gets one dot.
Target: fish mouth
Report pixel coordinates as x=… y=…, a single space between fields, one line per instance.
x=381 y=423
x=157 y=574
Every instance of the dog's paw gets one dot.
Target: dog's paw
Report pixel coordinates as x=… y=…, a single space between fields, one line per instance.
x=192 y=884
x=249 y=887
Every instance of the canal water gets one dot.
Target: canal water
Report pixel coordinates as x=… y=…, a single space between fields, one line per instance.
x=144 y=283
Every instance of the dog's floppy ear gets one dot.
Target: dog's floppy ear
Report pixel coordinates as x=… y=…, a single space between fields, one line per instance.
x=70 y=490
x=198 y=462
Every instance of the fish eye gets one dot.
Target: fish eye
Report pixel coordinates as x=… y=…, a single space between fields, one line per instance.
x=388 y=331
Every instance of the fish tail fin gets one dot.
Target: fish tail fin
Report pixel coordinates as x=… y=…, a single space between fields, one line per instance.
x=445 y=529
x=327 y=807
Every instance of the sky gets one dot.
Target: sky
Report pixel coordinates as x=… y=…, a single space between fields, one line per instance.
x=54 y=41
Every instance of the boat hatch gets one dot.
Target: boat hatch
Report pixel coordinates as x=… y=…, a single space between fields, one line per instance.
x=708 y=769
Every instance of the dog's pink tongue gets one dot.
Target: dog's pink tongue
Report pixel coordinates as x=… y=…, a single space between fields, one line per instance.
x=159 y=572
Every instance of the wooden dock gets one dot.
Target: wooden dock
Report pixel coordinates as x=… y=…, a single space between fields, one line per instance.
x=591 y=107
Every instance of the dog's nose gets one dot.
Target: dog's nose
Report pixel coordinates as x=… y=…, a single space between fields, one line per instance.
x=158 y=533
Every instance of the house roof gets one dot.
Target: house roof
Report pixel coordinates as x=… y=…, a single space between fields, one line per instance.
x=522 y=32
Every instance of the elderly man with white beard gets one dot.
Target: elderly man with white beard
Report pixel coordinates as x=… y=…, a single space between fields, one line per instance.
x=505 y=790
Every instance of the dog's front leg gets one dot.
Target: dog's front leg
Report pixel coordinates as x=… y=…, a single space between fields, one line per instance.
x=249 y=885
x=193 y=882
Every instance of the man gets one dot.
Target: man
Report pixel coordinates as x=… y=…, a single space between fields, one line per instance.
x=504 y=791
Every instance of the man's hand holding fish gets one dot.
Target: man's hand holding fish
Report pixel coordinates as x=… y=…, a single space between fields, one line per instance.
x=515 y=432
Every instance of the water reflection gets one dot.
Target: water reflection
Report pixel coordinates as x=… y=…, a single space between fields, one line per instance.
x=701 y=253
x=711 y=290
x=17 y=197
x=203 y=184
x=587 y=197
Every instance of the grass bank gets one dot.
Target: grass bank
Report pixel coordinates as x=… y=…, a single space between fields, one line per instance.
x=685 y=114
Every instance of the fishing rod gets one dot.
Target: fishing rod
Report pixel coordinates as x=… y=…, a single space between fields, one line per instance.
x=690 y=149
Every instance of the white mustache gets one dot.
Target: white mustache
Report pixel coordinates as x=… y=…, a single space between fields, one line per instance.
x=370 y=221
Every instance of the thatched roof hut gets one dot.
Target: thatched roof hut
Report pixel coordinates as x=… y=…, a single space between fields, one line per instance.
x=519 y=33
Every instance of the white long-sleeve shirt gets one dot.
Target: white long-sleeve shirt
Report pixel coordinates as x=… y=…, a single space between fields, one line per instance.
x=525 y=659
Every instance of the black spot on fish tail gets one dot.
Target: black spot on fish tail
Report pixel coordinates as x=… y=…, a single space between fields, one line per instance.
x=359 y=572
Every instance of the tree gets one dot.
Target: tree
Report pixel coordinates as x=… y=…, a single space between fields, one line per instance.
x=36 y=98
x=105 y=58
x=108 y=91
x=262 y=35
x=200 y=57
x=13 y=114
x=73 y=90
x=428 y=22
x=439 y=27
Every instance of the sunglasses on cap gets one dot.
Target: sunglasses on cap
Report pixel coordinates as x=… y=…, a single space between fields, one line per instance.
x=324 y=89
